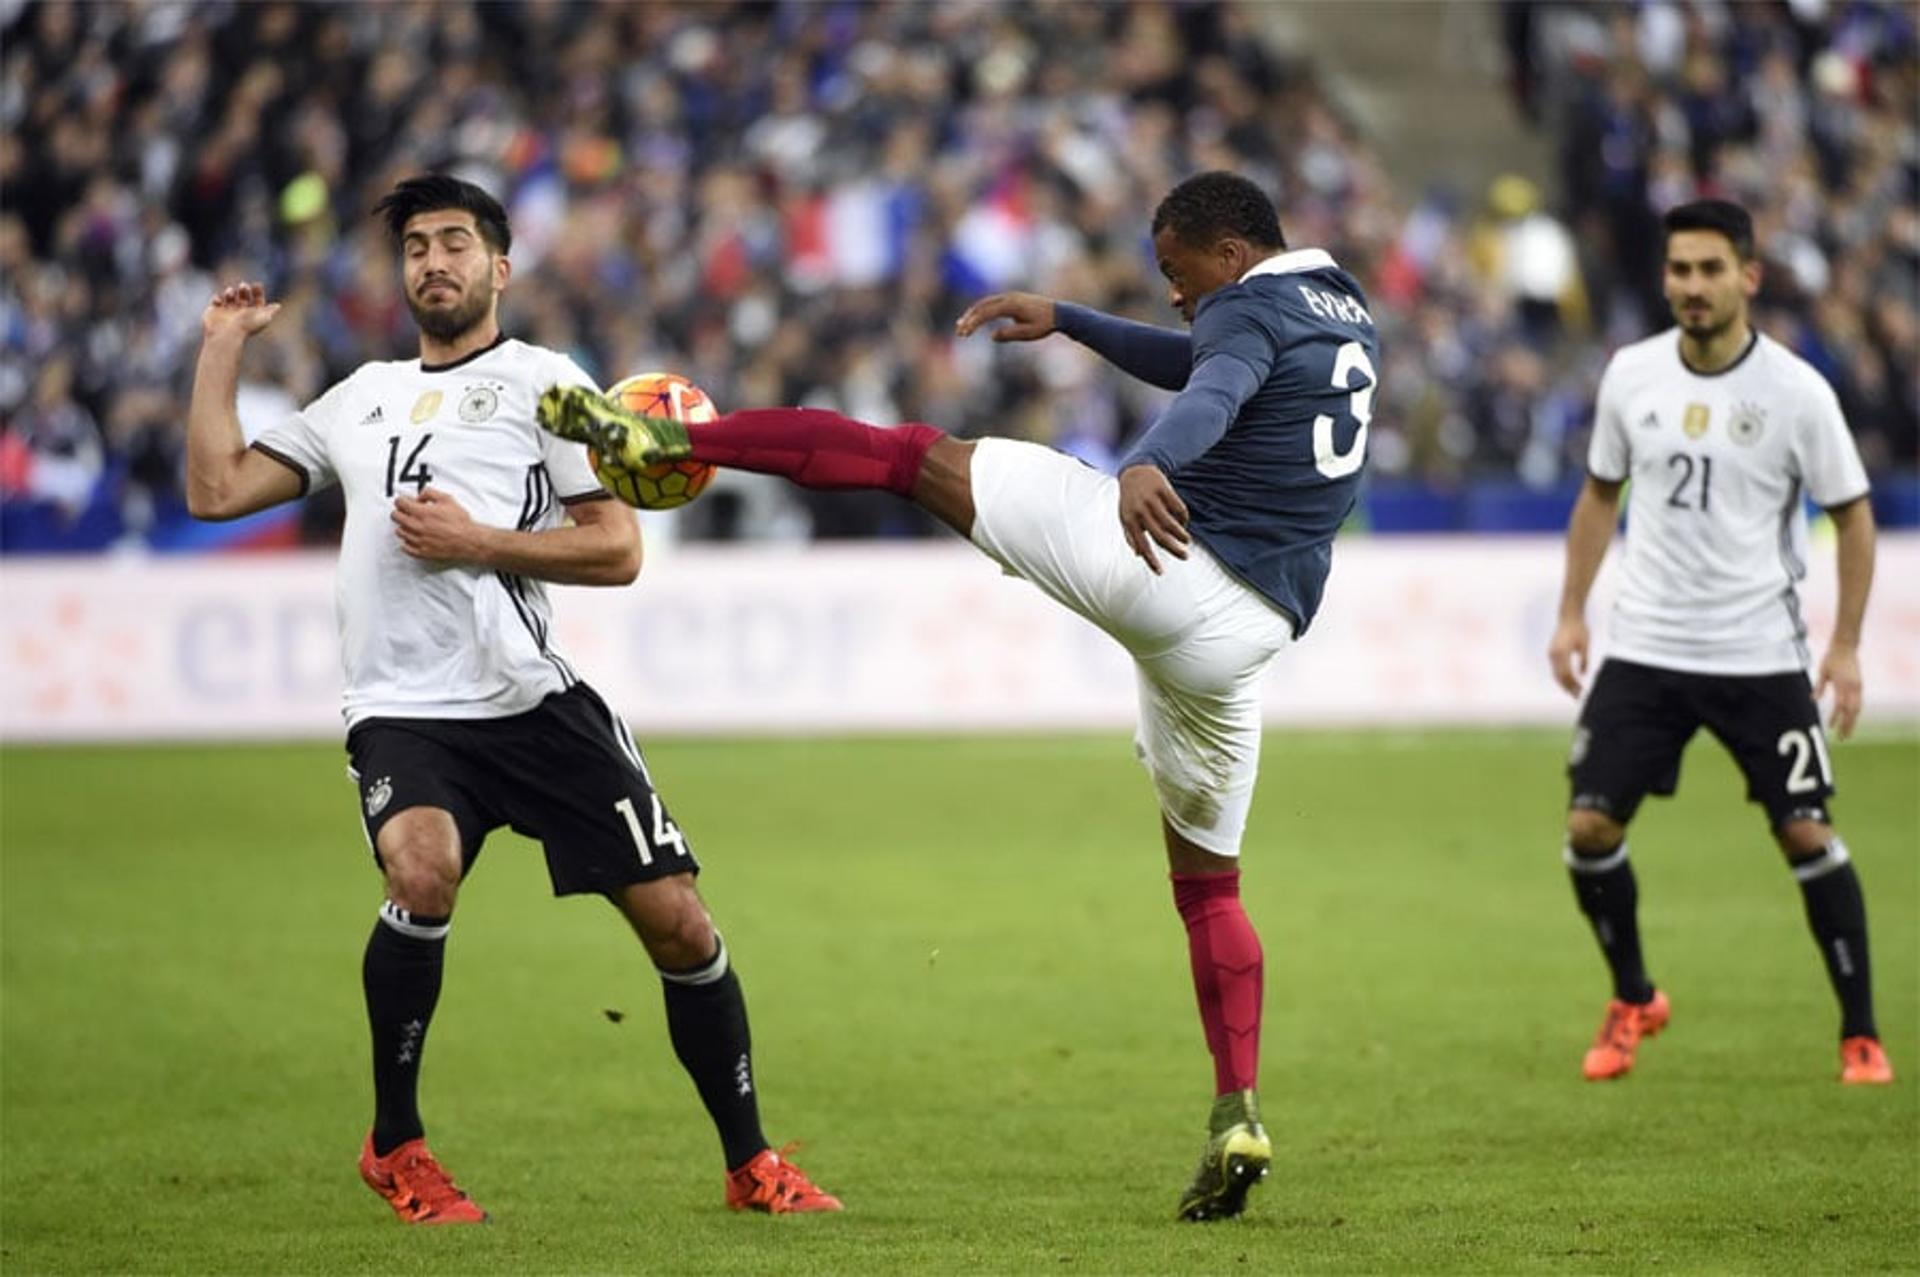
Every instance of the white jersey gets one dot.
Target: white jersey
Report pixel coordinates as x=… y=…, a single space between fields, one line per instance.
x=1721 y=466
x=426 y=640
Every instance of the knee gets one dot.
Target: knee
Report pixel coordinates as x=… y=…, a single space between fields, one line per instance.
x=671 y=921
x=1802 y=839
x=1593 y=833
x=422 y=871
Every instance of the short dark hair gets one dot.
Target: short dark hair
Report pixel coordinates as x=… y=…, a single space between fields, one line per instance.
x=431 y=192
x=1209 y=205
x=1721 y=216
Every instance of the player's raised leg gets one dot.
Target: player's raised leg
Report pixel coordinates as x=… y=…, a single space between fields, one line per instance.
x=420 y=854
x=707 y=1021
x=811 y=447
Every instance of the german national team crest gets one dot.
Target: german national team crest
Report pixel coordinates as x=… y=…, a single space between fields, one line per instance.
x=425 y=406
x=1748 y=423
x=379 y=796
x=478 y=404
x=1694 y=423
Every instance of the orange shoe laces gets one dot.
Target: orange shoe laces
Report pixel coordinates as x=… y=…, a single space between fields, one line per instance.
x=428 y=1184
x=783 y=1181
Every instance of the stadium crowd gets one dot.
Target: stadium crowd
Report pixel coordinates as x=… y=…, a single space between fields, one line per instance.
x=791 y=203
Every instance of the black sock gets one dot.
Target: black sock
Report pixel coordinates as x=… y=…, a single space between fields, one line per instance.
x=707 y=1020
x=401 y=974
x=1608 y=895
x=1837 y=915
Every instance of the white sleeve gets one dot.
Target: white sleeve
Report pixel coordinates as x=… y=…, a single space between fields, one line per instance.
x=566 y=462
x=299 y=441
x=1825 y=448
x=1608 y=456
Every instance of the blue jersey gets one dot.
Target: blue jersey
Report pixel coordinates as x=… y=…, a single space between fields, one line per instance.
x=1266 y=439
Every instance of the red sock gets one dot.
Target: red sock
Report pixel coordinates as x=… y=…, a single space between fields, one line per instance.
x=1226 y=974
x=815 y=448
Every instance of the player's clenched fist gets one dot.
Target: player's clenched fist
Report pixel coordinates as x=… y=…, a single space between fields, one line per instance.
x=1030 y=313
x=436 y=527
x=242 y=309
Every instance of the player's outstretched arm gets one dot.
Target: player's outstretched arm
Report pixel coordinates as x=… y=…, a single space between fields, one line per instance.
x=1840 y=668
x=1596 y=513
x=600 y=547
x=225 y=478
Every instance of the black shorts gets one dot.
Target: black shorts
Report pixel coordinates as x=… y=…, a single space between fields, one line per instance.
x=565 y=772
x=1639 y=718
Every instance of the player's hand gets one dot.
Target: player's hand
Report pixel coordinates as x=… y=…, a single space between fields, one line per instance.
x=1568 y=654
x=1030 y=313
x=1840 y=670
x=436 y=527
x=238 y=309
x=1152 y=513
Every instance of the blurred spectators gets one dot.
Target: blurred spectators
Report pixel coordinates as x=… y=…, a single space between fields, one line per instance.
x=1804 y=112
x=791 y=202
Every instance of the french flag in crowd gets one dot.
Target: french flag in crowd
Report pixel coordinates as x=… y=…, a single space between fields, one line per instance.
x=992 y=243
x=852 y=236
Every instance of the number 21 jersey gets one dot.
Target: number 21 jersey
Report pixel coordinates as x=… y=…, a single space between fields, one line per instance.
x=1722 y=465
x=441 y=640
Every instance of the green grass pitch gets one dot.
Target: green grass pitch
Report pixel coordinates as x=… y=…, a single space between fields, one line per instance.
x=971 y=1001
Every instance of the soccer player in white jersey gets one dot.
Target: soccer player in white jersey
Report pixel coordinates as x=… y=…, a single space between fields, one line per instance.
x=1724 y=434
x=461 y=715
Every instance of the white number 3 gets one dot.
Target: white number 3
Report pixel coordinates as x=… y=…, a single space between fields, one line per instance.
x=1327 y=458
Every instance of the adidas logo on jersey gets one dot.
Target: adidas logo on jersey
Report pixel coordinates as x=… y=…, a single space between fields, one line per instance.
x=373 y=418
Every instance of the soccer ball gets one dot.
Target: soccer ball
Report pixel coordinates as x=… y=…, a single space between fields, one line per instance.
x=666 y=484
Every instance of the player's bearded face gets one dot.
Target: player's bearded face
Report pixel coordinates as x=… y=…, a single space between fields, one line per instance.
x=445 y=307
x=451 y=274
x=1707 y=284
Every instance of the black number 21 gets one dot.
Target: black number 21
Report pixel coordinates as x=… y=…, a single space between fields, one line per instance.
x=1680 y=498
x=414 y=471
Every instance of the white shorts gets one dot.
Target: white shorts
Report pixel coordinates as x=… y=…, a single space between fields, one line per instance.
x=1201 y=639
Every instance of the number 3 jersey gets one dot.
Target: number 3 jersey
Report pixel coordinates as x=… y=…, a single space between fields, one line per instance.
x=1721 y=466
x=441 y=640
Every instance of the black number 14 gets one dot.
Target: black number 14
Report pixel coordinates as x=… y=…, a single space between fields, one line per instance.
x=414 y=471
x=1680 y=498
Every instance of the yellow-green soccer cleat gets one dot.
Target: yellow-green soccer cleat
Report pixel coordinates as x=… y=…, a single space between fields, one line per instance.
x=1237 y=1157
x=616 y=436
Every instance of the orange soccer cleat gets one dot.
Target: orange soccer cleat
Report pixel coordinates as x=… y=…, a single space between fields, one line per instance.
x=1611 y=1054
x=417 y=1186
x=1863 y=1062
x=772 y=1184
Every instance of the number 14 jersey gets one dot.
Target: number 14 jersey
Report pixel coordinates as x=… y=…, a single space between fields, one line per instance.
x=1722 y=465
x=441 y=640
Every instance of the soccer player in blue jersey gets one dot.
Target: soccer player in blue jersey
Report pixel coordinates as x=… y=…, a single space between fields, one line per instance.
x=1205 y=557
